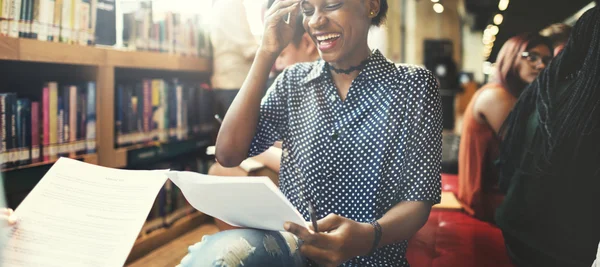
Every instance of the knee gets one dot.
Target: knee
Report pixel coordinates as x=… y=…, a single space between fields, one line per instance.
x=242 y=247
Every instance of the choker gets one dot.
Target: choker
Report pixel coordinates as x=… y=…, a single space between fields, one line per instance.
x=351 y=69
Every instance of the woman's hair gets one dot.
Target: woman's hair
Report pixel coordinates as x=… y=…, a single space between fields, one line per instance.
x=376 y=21
x=380 y=18
x=507 y=73
x=569 y=125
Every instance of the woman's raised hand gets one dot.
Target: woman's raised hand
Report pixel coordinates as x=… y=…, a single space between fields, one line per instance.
x=279 y=33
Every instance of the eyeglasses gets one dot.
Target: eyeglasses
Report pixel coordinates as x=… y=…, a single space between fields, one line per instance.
x=536 y=58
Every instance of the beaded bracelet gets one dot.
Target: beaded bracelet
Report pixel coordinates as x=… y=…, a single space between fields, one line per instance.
x=377 y=238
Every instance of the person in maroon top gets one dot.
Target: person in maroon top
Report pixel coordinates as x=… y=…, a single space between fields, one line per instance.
x=519 y=62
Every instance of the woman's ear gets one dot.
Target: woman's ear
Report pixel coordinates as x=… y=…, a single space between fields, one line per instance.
x=373 y=7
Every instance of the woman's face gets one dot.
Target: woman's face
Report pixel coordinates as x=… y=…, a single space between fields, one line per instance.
x=339 y=28
x=532 y=62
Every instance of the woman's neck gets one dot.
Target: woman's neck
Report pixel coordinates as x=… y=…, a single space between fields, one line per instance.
x=343 y=73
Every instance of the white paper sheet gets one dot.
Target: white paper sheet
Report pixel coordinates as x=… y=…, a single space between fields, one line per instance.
x=81 y=215
x=251 y=202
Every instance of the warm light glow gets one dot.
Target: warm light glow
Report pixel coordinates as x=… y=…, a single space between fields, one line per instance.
x=438 y=8
x=435 y=1
x=494 y=30
x=498 y=19
x=503 y=5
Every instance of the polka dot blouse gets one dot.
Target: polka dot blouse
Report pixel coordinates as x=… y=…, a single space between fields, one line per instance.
x=359 y=157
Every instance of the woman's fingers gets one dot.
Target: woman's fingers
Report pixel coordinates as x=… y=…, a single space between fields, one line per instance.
x=281 y=8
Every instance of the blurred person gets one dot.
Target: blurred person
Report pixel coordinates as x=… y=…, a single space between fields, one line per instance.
x=347 y=121
x=519 y=62
x=549 y=160
x=234 y=47
x=558 y=33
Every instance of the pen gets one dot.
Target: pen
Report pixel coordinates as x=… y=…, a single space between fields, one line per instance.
x=313 y=216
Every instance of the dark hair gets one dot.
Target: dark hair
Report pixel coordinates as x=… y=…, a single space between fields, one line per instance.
x=509 y=56
x=558 y=33
x=568 y=137
x=376 y=21
x=381 y=16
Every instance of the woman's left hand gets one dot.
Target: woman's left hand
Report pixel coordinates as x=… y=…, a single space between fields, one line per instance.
x=339 y=239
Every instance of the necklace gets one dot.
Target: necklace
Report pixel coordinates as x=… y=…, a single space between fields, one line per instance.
x=360 y=66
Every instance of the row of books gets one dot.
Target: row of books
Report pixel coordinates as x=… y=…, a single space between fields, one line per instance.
x=166 y=32
x=63 y=123
x=161 y=110
x=67 y=21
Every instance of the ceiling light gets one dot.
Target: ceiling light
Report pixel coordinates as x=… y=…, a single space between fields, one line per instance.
x=435 y=1
x=503 y=5
x=438 y=8
x=498 y=19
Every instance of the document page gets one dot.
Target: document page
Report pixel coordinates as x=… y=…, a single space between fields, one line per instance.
x=252 y=202
x=81 y=214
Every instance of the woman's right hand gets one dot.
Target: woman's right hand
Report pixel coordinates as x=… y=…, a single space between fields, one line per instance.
x=278 y=34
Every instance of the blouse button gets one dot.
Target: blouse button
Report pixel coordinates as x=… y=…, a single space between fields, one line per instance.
x=285 y=153
x=332 y=98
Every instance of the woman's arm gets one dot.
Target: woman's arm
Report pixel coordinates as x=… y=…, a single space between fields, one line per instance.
x=240 y=122
x=403 y=221
x=492 y=107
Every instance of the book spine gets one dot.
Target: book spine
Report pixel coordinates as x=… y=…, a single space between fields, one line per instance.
x=13 y=129
x=46 y=123
x=84 y=21
x=119 y=113
x=27 y=133
x=36 y=21
x=81 y=117
x=60 y=127
x=57 y=20
x=48 y=27
x=90 y=130
x=155 y=109
x=14 y=17
x=35 y=132
x=53 y=120
x=4 y=132
x=72 y=148
x=164 y=122
x=4 y=17
x=147 y=109
x=172 y=111
x=179 y=95
x=92 y=22
x=65 y=22
x=22 y=18
x=19 y=123
x=28 y=21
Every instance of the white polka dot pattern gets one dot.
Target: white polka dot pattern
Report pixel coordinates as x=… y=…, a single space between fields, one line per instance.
x=359 y=157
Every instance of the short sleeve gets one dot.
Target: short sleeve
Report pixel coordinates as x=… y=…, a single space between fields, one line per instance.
x=421 y=165
x=272 y=118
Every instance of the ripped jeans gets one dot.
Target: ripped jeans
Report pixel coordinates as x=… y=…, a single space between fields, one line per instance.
x=245 y=247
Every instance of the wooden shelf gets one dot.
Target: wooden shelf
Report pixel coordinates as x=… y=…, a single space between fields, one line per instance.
x=59 y=53
x=156 y=151
x=30 y=50
x=88 y=158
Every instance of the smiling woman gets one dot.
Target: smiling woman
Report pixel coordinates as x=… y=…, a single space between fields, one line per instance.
x=361 y=144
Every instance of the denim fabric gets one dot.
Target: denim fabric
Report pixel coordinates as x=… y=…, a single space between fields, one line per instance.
x=245 y=247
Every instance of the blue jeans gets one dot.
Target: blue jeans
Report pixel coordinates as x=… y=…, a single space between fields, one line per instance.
x=245 y=247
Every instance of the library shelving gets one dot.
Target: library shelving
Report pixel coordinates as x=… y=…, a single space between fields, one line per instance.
x=26 y=63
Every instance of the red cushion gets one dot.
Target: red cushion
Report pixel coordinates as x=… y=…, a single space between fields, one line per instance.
x=452 y=238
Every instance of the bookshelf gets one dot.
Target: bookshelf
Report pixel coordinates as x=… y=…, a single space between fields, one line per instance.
x=47 y=60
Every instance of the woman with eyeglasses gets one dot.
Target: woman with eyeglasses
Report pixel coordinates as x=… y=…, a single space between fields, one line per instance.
x=549 y=160
x=519 y=62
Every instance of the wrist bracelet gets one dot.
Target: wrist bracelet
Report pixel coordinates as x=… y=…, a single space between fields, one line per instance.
x=377 y=233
